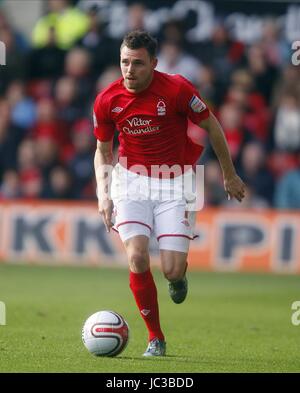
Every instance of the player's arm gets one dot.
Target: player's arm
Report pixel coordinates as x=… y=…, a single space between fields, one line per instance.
x=103 y=167
x=233 y=185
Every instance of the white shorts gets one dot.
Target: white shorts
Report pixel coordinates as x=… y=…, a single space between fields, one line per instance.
x=146 y=206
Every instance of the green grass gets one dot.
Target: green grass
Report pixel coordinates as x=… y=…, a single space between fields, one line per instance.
x=230 y=322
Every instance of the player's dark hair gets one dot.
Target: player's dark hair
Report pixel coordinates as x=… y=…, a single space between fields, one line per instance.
x=140 y=39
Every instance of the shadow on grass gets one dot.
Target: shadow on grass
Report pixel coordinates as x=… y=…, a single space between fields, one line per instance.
x=156 y=359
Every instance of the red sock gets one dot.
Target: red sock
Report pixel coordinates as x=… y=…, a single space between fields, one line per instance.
x=145 y=294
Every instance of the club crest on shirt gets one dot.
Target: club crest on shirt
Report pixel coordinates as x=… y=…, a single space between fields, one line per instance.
x=196 y=104
x=161 y=108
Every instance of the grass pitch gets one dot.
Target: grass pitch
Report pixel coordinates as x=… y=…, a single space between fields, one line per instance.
x=230 y=322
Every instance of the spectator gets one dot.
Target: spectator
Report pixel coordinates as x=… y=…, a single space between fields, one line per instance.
x=264 y=74
x=10 y=186
x=173 y=60
x=275 y=48
x=280 y=162
x=109 y=75
x=172 y=30
x=102 y=49
x=48 y=125
x=208 y=86
x=23 y=108
x=20 y=41
x=231 y=118
x=15 y=58
x=287 y=192
x=288 y=82
x=30 y=175
x=68 y=106
x=10 y=138
x=136 y=16
x=65 y=22
x=47 y=151
x=255 y=172
x=82 y=164
x=287 y=124
x=78 y=66
x=221 y=52
x=214 y=188
x=46 y=61
x=60 y=184
x=251 y=201
x=257 y=115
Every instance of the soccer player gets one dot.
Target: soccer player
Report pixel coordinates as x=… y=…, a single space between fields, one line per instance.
x=150 y=110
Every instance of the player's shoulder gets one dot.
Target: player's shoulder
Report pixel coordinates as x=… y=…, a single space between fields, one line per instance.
x=173 y=80
x=182 y=81
x=110 y=91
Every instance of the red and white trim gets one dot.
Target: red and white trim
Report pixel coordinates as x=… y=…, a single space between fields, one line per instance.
x=131 y=222
x=177 y=235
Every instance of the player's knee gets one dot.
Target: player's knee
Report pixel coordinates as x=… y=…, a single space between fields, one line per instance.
x=138 y=261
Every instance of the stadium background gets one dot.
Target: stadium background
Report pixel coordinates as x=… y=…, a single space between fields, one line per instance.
x=239 y=56
x=57 y=264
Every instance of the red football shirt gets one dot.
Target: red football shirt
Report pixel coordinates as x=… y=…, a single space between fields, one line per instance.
x=152 y=124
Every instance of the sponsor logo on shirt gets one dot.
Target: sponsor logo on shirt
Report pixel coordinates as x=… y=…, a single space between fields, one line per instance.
x=143 y=126
x=197 y=105
x=136 y=122
x=161 y=108
x=117 y=109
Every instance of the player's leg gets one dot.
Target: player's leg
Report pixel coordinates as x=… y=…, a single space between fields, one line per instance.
x=144 y=291
x=134 y=222
x=174 y=230
x=134 y=226
x=174 y=266
x=137 y=250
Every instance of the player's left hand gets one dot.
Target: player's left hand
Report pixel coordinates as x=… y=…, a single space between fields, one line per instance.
x=235 y=187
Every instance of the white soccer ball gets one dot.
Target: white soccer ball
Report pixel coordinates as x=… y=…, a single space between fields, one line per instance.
x=105 y=333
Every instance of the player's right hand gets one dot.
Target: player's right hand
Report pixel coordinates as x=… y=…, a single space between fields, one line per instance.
x=105 y=209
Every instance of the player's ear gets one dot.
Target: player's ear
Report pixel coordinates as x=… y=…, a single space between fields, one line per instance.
x=154 y=62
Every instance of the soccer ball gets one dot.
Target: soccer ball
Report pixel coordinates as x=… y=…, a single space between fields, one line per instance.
x=105 y=333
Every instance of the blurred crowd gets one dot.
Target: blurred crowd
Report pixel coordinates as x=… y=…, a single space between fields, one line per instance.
x=50 y=82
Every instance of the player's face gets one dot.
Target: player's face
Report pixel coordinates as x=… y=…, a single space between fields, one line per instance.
x=137 y=68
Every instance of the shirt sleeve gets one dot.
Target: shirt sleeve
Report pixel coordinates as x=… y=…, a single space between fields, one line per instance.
x=104 y=127
x=190 y=103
